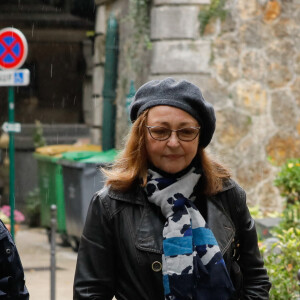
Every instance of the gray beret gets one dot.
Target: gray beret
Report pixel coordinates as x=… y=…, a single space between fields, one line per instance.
x=181 y=94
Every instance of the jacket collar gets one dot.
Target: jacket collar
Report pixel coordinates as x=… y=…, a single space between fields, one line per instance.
x=135 y=195
x=149 y=233
x=139 y=195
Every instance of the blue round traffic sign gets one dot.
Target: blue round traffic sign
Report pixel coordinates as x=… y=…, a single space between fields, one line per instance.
x=13 y=48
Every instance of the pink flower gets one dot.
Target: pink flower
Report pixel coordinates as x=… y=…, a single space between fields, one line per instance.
x=19 y=217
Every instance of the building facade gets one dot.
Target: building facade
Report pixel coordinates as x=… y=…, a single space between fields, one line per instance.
x=246 y=64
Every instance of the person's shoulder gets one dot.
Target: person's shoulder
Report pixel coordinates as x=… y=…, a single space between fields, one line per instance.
x=3 y=230
x=113 y=200
x=231 y=189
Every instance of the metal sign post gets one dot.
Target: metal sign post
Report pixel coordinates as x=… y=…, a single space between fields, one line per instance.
x=52 y=252
x=11 y=119
x=13 y=53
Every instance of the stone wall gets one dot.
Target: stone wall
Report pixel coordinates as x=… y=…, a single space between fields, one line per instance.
x=248 y=67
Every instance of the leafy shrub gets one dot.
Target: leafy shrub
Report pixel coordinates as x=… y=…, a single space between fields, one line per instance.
x=33 y=207
x=282 y=262
x=290 y=218
x=38 y=138
x=288 y=180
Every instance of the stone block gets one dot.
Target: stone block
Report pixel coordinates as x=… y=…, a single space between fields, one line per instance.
x=281 y=51
x=282 y=147
x=100 y=26
x=278 y=75
x=99 y=49
x=297 y=64
x=169 y=2
x=256 y=60
x=98 y=80
x=232 y=126
x=268 y=196
x=285 y=27
x=254 y=35
x=171 y=22
x=180 y=57
x=283 y=110
x=228 y=70
x=295 y=89
x=251 y=172
x=248 y=9
x=250 y=96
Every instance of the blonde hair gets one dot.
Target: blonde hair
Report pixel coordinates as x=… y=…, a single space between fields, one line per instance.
x=131 y=165
x=214 y=174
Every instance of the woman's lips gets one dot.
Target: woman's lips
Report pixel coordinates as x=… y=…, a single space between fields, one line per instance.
x=173 y=156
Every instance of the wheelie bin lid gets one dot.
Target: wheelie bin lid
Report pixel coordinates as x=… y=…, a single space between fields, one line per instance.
x=102 y=157
x=57 y=150
x=78 y=155
x=48 y=158
x=82 y=159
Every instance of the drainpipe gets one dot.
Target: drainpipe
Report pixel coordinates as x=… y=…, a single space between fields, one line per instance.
x=110 y=83
x=129 y=98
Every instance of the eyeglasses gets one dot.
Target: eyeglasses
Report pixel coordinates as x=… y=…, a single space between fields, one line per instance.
x=184 y=134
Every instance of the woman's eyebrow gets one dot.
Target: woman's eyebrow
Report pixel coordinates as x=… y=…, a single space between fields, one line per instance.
x=191 y=123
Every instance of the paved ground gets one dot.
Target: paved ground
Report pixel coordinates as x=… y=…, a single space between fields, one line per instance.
x=34 y=251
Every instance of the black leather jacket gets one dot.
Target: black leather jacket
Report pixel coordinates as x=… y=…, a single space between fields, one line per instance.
x=12 y=283
x=121 y=246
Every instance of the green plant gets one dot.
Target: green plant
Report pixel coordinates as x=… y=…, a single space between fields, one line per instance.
x=256 y=212
x=214 y=10
x=33 y=205
x=288 y=180
x=38 y=138
x=139 y=14
x=290 y=218
x=282 y=262
x=283 y=259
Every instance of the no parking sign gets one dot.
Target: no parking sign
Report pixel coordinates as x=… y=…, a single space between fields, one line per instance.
x=13 y=53
x=13 y=48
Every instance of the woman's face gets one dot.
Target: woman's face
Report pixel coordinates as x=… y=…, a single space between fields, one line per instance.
x=171 y=155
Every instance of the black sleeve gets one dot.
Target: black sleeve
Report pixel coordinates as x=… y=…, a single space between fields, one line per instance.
x=94 y=275
x=256 y=284
x=12 y=283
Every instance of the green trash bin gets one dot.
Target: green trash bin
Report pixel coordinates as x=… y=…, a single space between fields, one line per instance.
x=50 y=179
x=51 y=192
x=82 y=178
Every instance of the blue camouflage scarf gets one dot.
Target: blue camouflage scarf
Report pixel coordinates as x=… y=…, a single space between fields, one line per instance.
x=193 y=266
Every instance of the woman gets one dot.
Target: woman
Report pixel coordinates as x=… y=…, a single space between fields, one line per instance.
x=170 y=223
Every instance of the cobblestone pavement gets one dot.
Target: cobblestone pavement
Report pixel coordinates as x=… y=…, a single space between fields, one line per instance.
x=34 y=250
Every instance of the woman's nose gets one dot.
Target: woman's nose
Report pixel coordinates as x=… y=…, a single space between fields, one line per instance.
x=173 y=140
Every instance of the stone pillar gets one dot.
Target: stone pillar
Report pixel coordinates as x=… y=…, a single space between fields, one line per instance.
x=98 y=74
x=87 y=83
x=177 y=49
